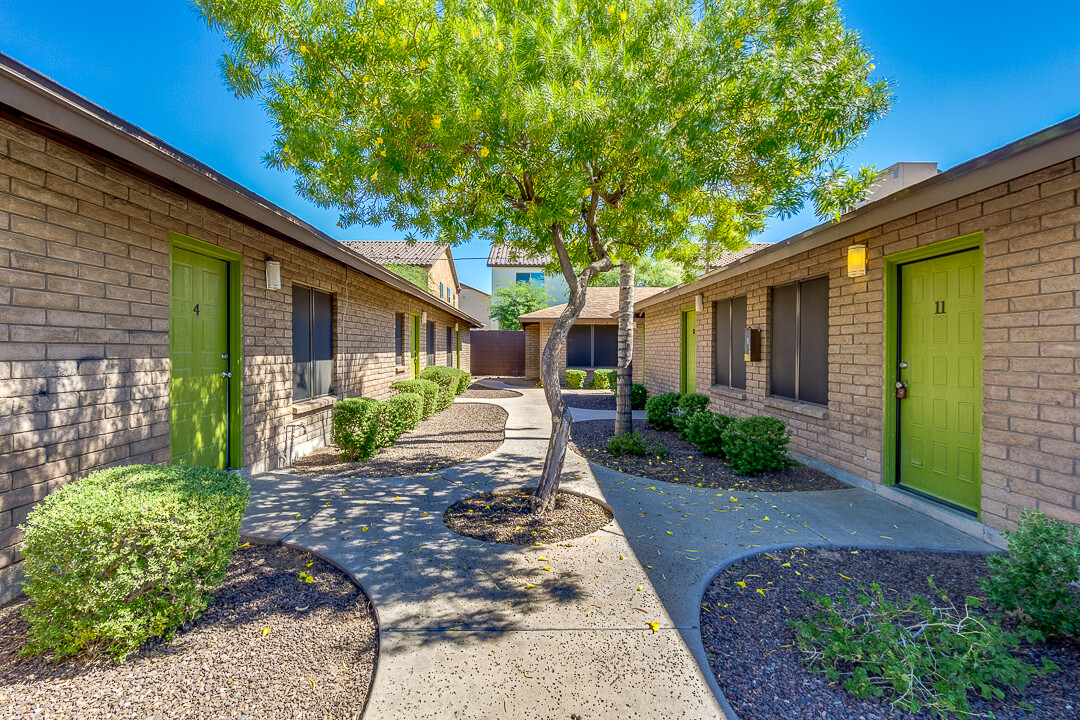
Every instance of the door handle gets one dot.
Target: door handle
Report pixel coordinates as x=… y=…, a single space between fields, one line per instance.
x=226 y=374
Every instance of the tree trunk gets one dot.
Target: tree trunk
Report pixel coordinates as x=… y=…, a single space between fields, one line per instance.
x=561 y=418
x=624 y=418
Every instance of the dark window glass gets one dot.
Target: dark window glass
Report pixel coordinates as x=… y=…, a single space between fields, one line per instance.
x=738 y=343
x=399 y=338
x=730 y=329
x=521 y=277
x=431 y=342
x=579 y=346
x=800 y=341
x=449 y=346
x=313 y=343
x=605 y=345
x=722 y=328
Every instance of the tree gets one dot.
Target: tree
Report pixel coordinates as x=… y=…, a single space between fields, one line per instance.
x=589 y=133
x=649 y=272
x=509 y=301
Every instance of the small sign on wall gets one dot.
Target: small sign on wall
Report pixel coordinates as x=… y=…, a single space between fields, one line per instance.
x=752 y=345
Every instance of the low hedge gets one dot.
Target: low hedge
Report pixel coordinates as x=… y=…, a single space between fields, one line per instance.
x=575 y=378
x=447 y=380
x=426 y=389
x=602 y=379
x=463 y=383
x=690 y=404
x=399 y=414
x=127 y=554
x=706 y=431
x=355 y=427
x=639 y=394
x=756 y=444
x=660 y=410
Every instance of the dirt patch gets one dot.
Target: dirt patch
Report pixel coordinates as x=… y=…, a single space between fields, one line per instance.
x=515 y=381
x=684 y=463
x=588 y=401
x=477 y=390
x=504 y=517
x=225 y=664
x=461 y=432
x=751 y=647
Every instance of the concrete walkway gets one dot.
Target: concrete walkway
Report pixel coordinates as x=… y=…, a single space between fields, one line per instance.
x=471 y=629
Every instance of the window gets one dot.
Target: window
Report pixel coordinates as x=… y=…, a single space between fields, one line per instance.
x=729 y=324
x=313 y=343
x=431 y=343
x=399 y=338
x=592 y=346
x=536 y=277
x=800 y=341
x=449 y=346
x=442 y=290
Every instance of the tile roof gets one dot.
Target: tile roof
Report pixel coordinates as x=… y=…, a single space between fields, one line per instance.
x=601 y=303
x=423 y=254
x=509 y=256
x=728 y=256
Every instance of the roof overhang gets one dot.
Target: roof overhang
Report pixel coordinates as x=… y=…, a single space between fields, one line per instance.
x=1027 y=155
x=49 y=103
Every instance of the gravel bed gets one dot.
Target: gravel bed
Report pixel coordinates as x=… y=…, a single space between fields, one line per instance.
x=587 y=401
x=762 y=674
x=316 y=661
x=684 y=463
x=504 y=517
x=461 y=432
x=477 y=390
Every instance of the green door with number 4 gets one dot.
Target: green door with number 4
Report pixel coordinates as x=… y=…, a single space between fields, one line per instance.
x=199 y=359
x=939 y=388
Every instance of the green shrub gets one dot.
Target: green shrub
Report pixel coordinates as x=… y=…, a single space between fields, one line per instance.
x=756 y=444
x=355 y=427
x=127 y=554
x=689 y=405
x=426 y=389
x=575 y=378
x=613 y=381
x=706 y=431
x=463 y=382
x=660 y=410
x=634 y=443
x=1038 y=579
x=638 y=395
x=928 y=654
x=398 y=414
x=447 y=380
x=601 y=379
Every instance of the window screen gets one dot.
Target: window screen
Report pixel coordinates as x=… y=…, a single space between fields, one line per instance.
x=431 y=343
x=399 y=338
x=313 y=343
x=579 y=346
x=449 y=346
x=605 y=346
x=800 y=341
x=730 y=329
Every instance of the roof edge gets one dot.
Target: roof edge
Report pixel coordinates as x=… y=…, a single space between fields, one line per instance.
x=1030 y=153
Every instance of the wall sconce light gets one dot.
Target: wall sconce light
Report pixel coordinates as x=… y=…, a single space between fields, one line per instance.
x=273 y=274
x=699 y=302
x=423 y=317
x=856 y=260
x=455 y=327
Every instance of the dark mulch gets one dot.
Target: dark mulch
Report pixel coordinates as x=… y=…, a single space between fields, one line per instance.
x=589 y=401
x=221 y=665
x=504 y=517
x=684 y=463
x=461 y=432
x=476 y=390
x=751 y=647
x=515 y=381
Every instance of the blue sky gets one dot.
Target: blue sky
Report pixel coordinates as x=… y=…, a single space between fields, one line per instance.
x=969 y=77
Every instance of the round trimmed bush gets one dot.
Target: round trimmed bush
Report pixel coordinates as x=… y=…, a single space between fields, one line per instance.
x=575 y=378
x=398 y=414
x=602 y=379
x=426 y=389
x=127 y=554
x=756 y=444
x=355 y=427
x=639 y=394
x=463 y=383
x=447 y=380
x=660 y=410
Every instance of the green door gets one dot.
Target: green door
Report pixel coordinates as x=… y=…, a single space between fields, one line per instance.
x=688 y=376
x=939 y=425
x=199 y=358
x=415 y=349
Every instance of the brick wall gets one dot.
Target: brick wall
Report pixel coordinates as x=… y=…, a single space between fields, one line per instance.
x=84 y=320
x=1031 y=311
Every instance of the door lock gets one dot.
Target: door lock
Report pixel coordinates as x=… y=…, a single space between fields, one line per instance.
x=226 y=374
x=901 y=390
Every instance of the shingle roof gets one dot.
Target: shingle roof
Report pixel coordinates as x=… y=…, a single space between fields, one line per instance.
x=728 y=256
x=601 y=303
x=423 y=254
x=509 y=256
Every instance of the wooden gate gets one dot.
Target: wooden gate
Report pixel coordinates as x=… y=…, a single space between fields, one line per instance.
x=497 y=352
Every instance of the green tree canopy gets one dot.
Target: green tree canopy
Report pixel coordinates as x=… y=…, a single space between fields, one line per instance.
x=590 y=132
x=648 y=273
x=509 y=301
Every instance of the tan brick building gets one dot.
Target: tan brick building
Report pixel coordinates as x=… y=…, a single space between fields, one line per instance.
x=121 y=260
x=970 y=301
x=434 y=261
